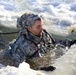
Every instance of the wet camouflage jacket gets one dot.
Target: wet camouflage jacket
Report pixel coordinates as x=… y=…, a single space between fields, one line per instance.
x=29 y=45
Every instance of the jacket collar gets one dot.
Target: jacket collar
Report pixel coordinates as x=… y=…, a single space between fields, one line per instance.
x=33 y=37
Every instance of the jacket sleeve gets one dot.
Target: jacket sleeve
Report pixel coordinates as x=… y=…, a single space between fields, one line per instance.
x=18 y=53
x=22 y=49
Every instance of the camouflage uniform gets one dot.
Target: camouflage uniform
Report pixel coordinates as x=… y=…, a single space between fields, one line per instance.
x=30 y=48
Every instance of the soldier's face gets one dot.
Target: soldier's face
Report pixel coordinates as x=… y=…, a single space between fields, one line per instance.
x=37 y=28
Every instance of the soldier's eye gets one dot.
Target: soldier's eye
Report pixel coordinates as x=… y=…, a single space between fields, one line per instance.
x=39 y=26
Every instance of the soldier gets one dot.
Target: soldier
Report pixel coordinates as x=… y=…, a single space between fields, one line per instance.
x=33 y=45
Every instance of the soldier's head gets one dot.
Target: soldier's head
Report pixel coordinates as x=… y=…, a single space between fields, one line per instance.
x=32 y=22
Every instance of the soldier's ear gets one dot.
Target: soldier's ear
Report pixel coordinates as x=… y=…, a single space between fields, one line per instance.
x=29 y=28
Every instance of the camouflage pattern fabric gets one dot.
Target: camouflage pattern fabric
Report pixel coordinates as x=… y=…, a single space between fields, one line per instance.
x=19 y=51
x=27 y=43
